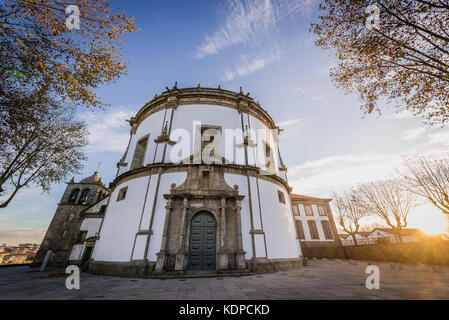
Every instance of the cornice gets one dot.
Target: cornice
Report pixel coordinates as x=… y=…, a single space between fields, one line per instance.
x=213 y=96
x=156 y=168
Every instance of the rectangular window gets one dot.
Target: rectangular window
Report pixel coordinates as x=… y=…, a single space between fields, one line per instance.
x=122 y=193
x=295 y=210
x=313 y=230
x=139 y=153
x=321 y=210
x=210 y=144
x=308 y=208
x=327 y=230
x=281 y=197
x=299 y=229
x=81 y=237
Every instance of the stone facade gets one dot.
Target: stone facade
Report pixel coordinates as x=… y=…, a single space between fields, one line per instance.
x=204 y=190
x=64 y=227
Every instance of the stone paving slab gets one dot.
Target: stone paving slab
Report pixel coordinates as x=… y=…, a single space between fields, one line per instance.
x=321 y=279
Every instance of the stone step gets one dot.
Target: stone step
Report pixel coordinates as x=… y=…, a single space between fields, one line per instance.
x=201 y=274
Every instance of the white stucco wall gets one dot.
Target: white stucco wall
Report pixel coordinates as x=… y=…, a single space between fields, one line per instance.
x=91 y=225
x=121 y=222
x=317 y=218
x=277 y=219
x=183 y=118
x=160 y=211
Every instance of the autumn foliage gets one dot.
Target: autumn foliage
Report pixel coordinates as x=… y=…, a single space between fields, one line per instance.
x=35 y=41
x=404 y=62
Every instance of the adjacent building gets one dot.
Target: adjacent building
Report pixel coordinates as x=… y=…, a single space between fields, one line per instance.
x=383 y=235
x=315 y=227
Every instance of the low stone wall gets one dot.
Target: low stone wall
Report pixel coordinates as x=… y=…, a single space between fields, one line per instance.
x=329 y=250
x=121 y=269
x=427 y=252
x=273 y=265
x=140 y=269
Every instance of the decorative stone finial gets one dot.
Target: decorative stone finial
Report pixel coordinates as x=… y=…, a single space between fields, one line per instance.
x=176 y=85
x=241 y=90
x=219 y=88
x=167 y=88
x=172 y=186
x=199 y=86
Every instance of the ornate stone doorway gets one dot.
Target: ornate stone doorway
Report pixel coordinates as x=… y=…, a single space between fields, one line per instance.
x=202 y=244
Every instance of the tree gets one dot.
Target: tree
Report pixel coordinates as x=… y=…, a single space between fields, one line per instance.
x=349 y=213
x=404 y=60
x=35 y=42
x=428 y=177
x=387 y=200
x=368 y=227
x=37 y=147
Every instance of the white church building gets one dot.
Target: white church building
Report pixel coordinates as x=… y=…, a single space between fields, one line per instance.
x=200 y=187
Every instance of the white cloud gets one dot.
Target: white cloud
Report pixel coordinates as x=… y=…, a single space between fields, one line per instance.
x=301 y=90
x=248 y=66
x=402 y=115
x=321 y=176
x=288 y=123
x=413 y=134
x=249 y=20
x=441 y=137
x=108 y=129
x=21 y=235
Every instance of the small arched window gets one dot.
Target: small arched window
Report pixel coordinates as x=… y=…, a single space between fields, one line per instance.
x=74 y=195
x=83 y=198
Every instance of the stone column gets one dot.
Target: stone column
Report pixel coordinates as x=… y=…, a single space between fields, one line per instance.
x=223 y=252
x=240 y=255
x=180 y=255
x=162 y=255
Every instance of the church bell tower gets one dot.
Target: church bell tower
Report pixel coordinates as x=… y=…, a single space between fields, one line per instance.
x=62 y=230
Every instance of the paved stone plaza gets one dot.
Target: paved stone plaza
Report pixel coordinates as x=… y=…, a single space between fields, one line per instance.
x=322 y=279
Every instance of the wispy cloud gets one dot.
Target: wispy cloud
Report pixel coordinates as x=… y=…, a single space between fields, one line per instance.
x=288 y=123
x=300 y=90
x=108 y=129
x=413 y=134
x=248 y=66
x=21 y=235
x=249 y=20
x=338 y=172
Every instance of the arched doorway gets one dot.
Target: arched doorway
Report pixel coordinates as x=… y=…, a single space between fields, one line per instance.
x=202 y=245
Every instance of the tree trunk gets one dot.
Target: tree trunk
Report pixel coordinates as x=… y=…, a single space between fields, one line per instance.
x=355 y=240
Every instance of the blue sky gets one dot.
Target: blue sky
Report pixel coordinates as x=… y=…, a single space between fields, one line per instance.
x=266 y=48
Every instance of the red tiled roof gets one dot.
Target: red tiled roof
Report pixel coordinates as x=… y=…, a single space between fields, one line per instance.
x=364 y=233
x=404 y=232
x=299 y=196
x=361 y=233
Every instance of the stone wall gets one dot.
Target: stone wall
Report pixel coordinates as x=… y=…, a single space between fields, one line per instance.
x=321 y=249
x=427 y=252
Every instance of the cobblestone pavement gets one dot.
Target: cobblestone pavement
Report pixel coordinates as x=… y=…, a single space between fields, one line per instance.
x=322 y=279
